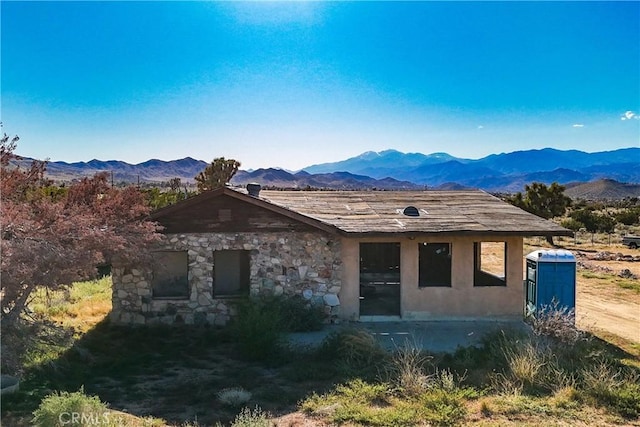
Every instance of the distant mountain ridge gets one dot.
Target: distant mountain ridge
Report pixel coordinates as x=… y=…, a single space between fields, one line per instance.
x=279 y=178
x=496 y=172
x=392 y=169
x=152 y=170
x=602 y=189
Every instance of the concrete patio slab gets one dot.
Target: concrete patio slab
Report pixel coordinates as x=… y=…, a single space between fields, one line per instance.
x=433 y=336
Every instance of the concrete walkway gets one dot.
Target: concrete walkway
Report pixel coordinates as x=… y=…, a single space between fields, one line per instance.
x=435 y=336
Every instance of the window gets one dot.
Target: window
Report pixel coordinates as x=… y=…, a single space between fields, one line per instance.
x=490 y=261
x=435 y=264
x=231 y=271
x=170 y=274
x=380 y=262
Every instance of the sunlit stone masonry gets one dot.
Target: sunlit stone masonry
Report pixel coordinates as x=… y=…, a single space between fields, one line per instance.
x=200 y=276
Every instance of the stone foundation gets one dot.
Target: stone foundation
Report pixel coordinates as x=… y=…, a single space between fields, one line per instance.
x=304 y=264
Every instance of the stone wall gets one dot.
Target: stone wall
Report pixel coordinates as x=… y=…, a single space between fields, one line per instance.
x=285 y=263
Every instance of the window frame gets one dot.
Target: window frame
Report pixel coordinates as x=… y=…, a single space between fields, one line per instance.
x=484 y=278
x=184 y=278
x=423 y=282
x=244 y=279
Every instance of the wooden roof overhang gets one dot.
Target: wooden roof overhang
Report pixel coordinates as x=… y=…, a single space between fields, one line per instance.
x=446 y=234
x=207 y=195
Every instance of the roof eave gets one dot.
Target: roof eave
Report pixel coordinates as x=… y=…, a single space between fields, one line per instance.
x=452 y=233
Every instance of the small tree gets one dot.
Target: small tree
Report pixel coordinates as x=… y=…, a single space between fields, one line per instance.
x=628 y=216
x=217 y=174
x=593 y=222
x=572 y=224
x=175 y=184
x=606 y=223
x=543 y=201
x=54 y=238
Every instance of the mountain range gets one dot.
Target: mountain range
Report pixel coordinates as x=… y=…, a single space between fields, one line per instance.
x=391 y=169
x=497 y=172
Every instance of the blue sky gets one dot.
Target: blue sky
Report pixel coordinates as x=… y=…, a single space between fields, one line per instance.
x=293 y=84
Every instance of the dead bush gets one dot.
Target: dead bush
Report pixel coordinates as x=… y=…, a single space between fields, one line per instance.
x=557 y=323
x=407 y=370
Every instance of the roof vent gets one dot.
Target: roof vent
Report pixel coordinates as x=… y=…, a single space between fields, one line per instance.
x=411 y=211
x=254 y=189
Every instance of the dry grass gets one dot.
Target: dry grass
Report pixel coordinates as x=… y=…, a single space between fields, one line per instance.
x=407 y=370
x=512 y=410
x=234 y=396
x=80 y=307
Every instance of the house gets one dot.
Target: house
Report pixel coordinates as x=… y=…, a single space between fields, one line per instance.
x=362 y=255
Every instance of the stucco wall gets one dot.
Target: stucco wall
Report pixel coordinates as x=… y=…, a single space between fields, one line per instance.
x=460 y=301
x=323 y=268
x=307 y=264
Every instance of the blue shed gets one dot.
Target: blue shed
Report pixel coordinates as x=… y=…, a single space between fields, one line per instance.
x=551 y=277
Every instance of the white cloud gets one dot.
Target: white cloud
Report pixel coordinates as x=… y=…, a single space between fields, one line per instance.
x=578 y=125
x=629 y=115
x=480 y=127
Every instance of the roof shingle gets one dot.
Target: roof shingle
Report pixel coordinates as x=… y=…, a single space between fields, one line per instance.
x=381 y=212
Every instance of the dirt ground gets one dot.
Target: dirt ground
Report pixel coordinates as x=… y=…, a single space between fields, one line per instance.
x=601 y=304
x=609 y=308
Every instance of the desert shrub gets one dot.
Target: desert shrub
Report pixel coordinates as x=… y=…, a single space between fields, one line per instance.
x=475 y=362
x=236 y=396
x=558 y=323
x=377 y=404
x=493 y=349
x=260 y=324
x=626 y=400
x=485 y=409
x=451 y=382
x=356 y=352
x=298 y=315
x=630 y=216
x=406 y=370
x=572 y=224
x=558 y=376
x=348 y=395
x=363 y=403
x=258 y=329
x=572 y=348
x=483 y=365
x=443 y=408
x=526 y=363
x=533 y=365
x=593 y=221
x=363 y=391
x=255 y=417
x=57 y=410
x=565 y=398
x=613 y=387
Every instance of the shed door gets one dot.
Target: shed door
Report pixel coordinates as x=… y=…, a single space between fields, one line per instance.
x=531 y=286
